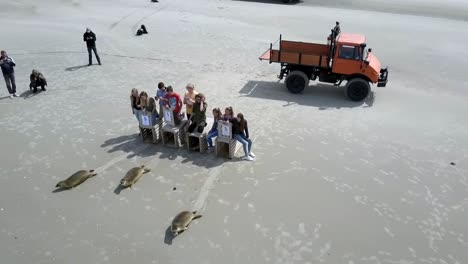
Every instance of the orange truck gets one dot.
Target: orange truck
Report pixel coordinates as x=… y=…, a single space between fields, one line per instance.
x=343 y=58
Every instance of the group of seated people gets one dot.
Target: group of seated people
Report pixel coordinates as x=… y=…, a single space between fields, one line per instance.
x=195 y=111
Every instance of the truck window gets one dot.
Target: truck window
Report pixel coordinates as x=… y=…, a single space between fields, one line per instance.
x=349 y=52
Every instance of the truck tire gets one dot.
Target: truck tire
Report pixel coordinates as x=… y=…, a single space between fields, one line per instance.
x=296 y=81
x=357 y=89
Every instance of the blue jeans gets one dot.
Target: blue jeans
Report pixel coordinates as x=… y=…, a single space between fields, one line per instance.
x=137 y=115
x=154 y=118
x=246 y=143
x=210 y=138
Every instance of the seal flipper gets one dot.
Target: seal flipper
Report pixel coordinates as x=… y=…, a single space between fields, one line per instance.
x=196 y=215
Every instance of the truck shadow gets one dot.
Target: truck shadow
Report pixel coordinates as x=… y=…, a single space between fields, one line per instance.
x=322 y=96
x=278 y=2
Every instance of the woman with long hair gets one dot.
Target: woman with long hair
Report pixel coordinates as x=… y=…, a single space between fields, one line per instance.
x=148 y=104
x=228 y=113
x=189 y=99
x=135 y=103
x=240 y=132
x=217 y=115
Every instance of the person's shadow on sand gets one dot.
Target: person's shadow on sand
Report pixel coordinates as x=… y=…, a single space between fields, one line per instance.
x=28 y=94
x=74 y=68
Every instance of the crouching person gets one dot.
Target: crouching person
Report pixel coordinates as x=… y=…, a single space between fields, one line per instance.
x=37 y=79
x=198 y=117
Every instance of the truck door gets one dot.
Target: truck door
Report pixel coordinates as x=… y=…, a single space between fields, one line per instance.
x=348 y=60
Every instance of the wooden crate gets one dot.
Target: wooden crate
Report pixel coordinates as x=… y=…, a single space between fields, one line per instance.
x=227 y=149
x=197 y=141
x=174 y=136
x=151 y=135
x=226 y=146
x=148 y=130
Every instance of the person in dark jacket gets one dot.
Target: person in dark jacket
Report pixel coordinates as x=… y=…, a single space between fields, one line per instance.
x=135 y=103
x=142 y=30
x=90 y=38
x=37 y=79
x=336 y=29
x=198 y=117
x=240 y=132
x=7 y=63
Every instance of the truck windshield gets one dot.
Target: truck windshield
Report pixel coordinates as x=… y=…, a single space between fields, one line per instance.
x=349 y=52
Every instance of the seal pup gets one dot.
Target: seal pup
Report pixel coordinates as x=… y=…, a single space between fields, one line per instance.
x=182 y=221
x=133 y=175
x=76 y=179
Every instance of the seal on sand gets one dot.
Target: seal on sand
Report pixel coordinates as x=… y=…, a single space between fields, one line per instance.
x=76 y=179
x=133 y=175
x=182 y=221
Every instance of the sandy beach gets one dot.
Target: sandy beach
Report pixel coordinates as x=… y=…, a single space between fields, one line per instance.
x=379 y=182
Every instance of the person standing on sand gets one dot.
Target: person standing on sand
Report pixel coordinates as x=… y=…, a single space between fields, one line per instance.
x=198 y=117
x=135 y=104
x=174 y=103
x=189 y=99
x=161 y=96
x=90 y=39
x=7 y=63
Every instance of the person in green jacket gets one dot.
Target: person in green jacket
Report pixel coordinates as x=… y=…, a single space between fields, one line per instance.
x=198 y=118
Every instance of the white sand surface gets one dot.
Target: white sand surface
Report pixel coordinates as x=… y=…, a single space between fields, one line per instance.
x=333 y=181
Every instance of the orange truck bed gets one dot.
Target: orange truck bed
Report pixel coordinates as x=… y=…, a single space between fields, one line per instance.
x=301 y=53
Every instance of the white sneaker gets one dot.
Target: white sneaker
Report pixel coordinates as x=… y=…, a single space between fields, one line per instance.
x=15 y=95
x=11 y=96
x=248 y=158
x=251 y=154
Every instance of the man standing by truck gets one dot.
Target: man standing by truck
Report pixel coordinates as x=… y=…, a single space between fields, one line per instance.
x=7 y=63
x=90 y=39
x=336 y=29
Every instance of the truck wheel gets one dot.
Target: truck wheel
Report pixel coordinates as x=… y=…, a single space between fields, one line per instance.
x=296 y=81
x=357 y=89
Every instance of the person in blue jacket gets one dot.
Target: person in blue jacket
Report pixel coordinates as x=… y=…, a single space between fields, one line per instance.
x=7 y=64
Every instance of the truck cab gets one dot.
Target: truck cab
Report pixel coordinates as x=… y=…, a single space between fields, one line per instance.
x=351 y=59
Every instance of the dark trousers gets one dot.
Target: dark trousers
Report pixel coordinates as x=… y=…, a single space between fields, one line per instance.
x=194 y=125
x=95 y=54
x=10 y=82
x=36 y=83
